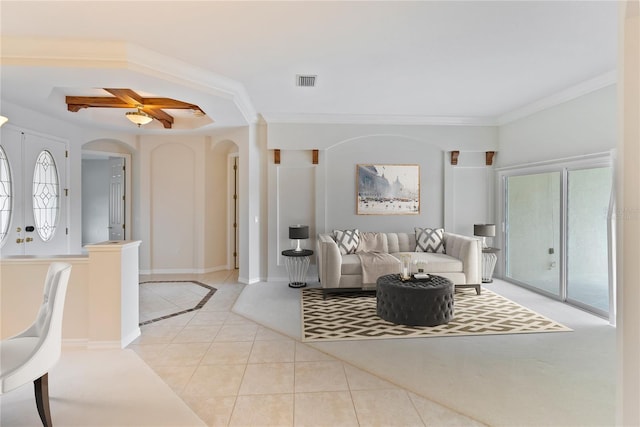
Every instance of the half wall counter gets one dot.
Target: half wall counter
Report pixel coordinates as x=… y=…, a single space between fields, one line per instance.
x=102 y=303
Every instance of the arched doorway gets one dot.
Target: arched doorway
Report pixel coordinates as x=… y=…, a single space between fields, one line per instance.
x=106 y=191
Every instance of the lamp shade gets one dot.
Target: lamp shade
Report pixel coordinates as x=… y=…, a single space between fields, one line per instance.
x=139 y=117
x=298 y=232
x=484 y=230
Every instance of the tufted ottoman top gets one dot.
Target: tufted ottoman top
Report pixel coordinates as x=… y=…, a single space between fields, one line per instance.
x=414 y=302
x=433 y=282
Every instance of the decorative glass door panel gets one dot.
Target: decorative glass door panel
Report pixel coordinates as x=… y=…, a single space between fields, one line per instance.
x=38 y=221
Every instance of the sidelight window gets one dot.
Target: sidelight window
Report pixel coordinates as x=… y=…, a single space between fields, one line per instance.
x=6 y=193
x=45 y=195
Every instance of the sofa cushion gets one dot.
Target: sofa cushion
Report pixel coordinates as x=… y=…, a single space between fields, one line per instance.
x=429 y=240
x=347 y=240
x=350 y=265
x=373 y=242
x=436 y=262
x=401 y=242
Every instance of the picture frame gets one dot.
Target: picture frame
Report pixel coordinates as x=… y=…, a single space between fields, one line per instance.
x=387 y=189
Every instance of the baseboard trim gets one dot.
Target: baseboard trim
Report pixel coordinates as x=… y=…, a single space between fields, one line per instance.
x=103 y=345
x=128 y=339
x=185 y=270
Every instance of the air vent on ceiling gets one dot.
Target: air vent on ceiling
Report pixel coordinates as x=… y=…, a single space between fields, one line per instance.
x=305 y=80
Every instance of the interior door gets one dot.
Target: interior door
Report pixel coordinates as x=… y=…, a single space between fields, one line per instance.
x=38 y=221
x=116 y=198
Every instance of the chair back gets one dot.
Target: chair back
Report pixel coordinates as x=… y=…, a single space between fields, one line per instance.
x=48 y=323
x=30 y=354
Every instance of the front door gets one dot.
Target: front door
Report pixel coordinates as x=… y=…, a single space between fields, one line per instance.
x=37 y=222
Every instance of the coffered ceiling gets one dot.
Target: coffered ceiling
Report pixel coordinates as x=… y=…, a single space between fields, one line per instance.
x=391 y=61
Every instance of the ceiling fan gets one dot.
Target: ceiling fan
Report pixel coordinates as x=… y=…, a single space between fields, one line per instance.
x=147 y=109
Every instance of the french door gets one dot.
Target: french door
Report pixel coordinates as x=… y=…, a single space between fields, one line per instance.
x=34 y=194
x=557 y=232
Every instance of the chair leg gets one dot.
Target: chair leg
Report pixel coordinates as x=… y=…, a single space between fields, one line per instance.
x=41 y=388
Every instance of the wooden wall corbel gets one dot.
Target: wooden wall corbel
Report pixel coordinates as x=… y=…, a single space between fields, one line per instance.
x=315 y=157
x=454 y=157
x=276 y=156
x=489 y=157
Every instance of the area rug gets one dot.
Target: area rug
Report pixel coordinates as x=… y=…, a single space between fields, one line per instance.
x=353 y=317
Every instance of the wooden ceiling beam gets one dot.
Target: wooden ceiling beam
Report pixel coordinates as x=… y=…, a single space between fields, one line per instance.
x=78 y=102
x=127 y=95
x=161 y=116
x=127 y=98
x=170 y=104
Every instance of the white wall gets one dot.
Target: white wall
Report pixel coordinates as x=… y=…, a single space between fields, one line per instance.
x=584 y=125
x=628 y=217
x=341 y=163
x=324 y=195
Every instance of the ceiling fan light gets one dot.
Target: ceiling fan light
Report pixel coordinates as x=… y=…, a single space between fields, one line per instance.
x=139 y=117
x=3 y=120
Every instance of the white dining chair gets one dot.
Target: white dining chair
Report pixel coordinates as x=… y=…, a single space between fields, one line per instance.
x=30 y=355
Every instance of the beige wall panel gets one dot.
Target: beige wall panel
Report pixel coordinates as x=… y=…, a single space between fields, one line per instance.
x=173 y=186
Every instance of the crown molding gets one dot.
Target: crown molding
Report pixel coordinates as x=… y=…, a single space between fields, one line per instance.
x=376 y=119
x=561 y=97
x=113 y=54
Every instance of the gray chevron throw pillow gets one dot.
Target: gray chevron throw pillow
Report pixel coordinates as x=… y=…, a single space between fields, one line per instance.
x=347 y=240
x=430 y=240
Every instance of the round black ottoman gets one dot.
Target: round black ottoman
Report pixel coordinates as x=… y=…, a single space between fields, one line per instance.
x=413 y=302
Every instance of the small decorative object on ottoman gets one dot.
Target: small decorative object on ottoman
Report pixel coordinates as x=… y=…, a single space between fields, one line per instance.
x=415 y=302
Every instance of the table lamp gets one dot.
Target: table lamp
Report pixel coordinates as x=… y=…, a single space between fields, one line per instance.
x=298 y=232
x=484 y=231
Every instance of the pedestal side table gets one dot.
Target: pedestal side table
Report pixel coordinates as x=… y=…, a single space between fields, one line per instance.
x=297 y=263
x=489 y=259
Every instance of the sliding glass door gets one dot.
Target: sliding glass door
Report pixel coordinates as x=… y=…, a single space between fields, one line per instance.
x=556 y=234
x=533 y=231
x=588 y=196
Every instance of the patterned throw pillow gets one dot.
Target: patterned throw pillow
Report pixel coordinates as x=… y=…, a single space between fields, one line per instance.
x=430 y=240
x=347 y=240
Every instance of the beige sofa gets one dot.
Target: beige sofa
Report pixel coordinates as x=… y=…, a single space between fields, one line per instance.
x=461 y=262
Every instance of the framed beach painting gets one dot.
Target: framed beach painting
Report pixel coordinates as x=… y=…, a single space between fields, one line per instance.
x=388 y=189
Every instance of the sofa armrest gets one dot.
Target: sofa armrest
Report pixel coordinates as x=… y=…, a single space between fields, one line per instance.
x=329 y=261
x=469 y=251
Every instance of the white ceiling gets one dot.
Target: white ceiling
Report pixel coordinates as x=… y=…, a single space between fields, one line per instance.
x=376 y=59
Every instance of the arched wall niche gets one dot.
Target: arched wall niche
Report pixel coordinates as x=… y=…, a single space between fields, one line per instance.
x=109 y=146
x=173 y=237
x=387 y=137
x=225 y=145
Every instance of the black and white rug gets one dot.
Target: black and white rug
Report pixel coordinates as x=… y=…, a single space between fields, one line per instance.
x=353 y=317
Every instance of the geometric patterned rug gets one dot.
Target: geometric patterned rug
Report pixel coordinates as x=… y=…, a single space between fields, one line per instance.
x=353 y=317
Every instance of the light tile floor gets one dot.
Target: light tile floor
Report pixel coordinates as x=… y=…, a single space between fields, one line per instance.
x=233 y=371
